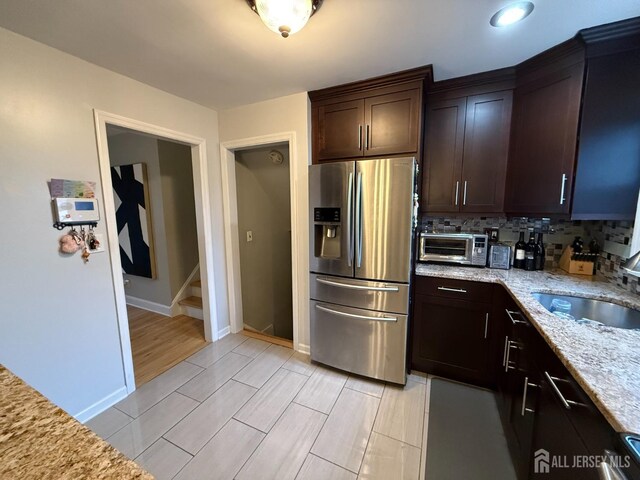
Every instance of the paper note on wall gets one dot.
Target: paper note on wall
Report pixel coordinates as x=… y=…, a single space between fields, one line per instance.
x=61 y=188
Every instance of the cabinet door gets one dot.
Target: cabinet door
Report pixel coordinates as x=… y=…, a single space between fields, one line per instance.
x=609 y=152
x=543 y=143
x=444 y=147
x=486 y=148
x=555 y=434
x=392 y=123
x=339 y=131
x=524 y=386
x=451 y=338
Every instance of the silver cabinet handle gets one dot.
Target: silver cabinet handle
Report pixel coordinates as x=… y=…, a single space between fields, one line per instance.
x=524 y=408
x=359 y=219
x=464 y=195
x=356 y=287
x=507 y=361
x=366 y=138
x=513 y=320
x=510 y=345
x=504 y=354
x=457 y=192
x=350 y=221
x=564 y=181
x=457 y=290
x=353 y=315
x=486 y=324
x=359 y=137
x=552 y=381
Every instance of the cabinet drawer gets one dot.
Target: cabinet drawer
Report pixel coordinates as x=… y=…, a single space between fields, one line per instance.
x=458 y=289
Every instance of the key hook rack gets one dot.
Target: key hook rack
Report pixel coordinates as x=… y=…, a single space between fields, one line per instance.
x=62 y=225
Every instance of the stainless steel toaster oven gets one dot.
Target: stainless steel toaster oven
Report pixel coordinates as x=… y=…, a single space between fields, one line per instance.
x=459 y=248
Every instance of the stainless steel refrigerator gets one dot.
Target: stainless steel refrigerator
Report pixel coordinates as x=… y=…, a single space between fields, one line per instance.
x=361 y=235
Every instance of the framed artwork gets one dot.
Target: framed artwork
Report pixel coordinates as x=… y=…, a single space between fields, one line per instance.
x=133 y=216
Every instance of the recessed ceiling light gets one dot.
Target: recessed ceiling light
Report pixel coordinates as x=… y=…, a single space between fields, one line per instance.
x=511 y=14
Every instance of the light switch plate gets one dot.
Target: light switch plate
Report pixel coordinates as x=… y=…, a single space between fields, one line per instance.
x=249 y=236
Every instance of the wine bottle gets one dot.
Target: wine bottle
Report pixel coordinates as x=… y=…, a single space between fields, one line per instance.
x=540 y=254
x=530 y=252
x=518 y=261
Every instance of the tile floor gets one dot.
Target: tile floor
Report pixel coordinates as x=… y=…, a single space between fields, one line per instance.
x=244 y=409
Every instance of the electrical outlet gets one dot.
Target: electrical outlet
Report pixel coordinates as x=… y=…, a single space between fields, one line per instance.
x=249 y=236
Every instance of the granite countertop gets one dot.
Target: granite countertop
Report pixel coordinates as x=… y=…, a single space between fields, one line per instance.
x=604 y=360
x=40 y=441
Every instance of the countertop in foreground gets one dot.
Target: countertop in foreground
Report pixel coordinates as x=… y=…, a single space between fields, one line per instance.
x=604 y=360
x=40 y=441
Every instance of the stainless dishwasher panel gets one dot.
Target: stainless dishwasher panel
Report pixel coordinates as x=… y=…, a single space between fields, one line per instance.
x=372 y=344
x=382 y=296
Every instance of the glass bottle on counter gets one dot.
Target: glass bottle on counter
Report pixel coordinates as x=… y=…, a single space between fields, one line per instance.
x=530 y=252
x=518 y=259
x=540 y=253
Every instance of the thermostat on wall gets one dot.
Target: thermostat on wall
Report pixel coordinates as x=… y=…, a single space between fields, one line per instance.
x=76 y=210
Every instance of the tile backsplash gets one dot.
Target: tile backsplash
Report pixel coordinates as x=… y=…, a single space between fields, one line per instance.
x=609 y=263
x=557 y=235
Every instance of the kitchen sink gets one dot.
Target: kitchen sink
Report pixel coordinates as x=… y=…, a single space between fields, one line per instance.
x=587 y=310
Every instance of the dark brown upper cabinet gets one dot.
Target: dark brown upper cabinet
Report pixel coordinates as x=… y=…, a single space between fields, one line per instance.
x=608 y=167
x=339 y=130
x=373 y=118
x=544 y=133
x=466 y=146
x=486 y=148
x=444 y=142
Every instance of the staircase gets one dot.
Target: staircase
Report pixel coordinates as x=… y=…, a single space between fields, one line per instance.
x=191 y=306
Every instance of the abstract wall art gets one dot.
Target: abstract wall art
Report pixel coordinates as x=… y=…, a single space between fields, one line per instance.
x=133 y=216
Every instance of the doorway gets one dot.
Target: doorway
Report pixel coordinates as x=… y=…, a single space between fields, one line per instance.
x=152 y=180
x=200 y=181
x=299 y=235
x=264 y=228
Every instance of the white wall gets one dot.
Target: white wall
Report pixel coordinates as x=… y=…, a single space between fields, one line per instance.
x=57 y=316
x=285 y=114
x=179 y=209
x=264 y=208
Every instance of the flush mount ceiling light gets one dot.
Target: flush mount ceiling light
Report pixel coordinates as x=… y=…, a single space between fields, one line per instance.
x=511 y=14
x=285 y=16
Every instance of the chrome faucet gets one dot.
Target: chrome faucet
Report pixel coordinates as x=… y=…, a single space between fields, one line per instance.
x=632 y=265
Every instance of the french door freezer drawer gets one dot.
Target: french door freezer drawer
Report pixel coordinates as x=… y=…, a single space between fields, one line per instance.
x=381 y=296
x=368 y=343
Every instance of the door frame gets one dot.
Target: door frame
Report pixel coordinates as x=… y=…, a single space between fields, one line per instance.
x=231 y=232
x=203 y=225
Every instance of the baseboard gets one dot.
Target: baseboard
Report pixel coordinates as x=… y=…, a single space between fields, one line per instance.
x=150 y=306
x=101 y=405
x=224 y=332
x=303 y=348
x=250 y=328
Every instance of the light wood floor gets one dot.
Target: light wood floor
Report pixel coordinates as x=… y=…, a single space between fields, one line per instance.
x=158 y=342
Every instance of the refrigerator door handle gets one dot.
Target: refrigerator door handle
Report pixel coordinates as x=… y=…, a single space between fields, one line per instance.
x=333 y=283
x=353 y=315
x=349 y=233
x=359 y=220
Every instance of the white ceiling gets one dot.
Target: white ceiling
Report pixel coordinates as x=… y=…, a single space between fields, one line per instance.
x=219 y=54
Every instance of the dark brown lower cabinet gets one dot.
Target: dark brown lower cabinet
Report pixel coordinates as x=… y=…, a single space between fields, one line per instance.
x=468 y=332
x=532 y=408
x=451 y=338
x=556 y=442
